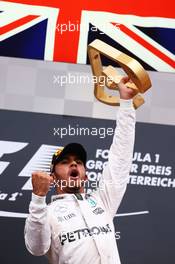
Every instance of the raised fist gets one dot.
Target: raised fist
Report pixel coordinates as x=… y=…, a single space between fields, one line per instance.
x=126 y=92
x=41 y=182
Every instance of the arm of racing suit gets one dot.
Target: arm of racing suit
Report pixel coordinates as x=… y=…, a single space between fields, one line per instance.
x=116 y=173
x=37 y=233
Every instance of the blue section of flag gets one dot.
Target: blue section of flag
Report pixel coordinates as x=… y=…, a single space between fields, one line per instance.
x=105 y=61
x=164 y=36
x=29 y=43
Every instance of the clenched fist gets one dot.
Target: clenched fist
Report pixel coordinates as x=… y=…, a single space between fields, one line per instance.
x=41 y=182
x=125 y=92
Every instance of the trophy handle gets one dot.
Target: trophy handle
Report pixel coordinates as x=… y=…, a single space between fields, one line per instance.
x=140 y=78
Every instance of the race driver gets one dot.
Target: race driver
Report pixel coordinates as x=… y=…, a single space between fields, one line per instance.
x=76 y=227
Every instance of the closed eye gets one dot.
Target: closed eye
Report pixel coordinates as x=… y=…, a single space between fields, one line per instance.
x=64 y=161
x=79 y=162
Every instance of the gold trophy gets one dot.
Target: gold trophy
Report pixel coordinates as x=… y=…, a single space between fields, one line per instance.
x=139 y=77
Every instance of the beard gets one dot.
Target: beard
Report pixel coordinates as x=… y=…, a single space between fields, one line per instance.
x=75 y=185
x=71 y=185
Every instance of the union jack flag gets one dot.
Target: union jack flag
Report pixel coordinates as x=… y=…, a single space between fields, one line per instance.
x=53 y=30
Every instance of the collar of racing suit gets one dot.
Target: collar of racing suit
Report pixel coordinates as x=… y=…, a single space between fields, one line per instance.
x=78 y=196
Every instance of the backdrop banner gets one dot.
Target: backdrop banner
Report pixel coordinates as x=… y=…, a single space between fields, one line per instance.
x=145 y=220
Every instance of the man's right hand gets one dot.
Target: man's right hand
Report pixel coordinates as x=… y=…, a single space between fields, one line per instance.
x=41 y=182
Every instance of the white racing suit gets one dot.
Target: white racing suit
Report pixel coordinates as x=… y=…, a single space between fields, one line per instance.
x=76 y=229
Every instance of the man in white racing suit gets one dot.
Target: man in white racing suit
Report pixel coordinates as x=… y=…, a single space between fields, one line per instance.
x=75 y=227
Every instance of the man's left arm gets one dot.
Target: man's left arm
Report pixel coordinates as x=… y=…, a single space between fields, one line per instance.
x=115 y=175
